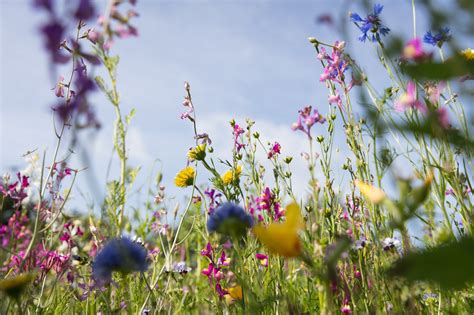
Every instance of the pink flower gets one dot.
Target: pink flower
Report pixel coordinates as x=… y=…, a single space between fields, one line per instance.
x=443 y=117
x=335 y=99
x=414 y=50
x=308 y=119
x=190 y=109
x=93 y=35
x=335 y=63
x=276 y=149
x=223 y=260
x=237 y=132
x=208 y=272
x=59 y=90
x=409 y=99
x=207 y=252
x=263 y=259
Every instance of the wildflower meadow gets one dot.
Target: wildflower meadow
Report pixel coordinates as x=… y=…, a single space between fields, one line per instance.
x=382 y=226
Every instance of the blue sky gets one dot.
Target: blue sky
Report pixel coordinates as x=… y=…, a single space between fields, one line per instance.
x=243 y=59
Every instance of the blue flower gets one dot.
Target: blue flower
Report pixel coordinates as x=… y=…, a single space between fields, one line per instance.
x=437 y=39
x=371 y=26
x=119 y=254
x=229 y=219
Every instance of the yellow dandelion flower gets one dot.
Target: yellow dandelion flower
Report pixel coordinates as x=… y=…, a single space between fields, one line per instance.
x=468 y=53
x=15 y=285
x=282 y=238
x=231 y=175
x=185 y=177
x=373 y=194
x=198 y=153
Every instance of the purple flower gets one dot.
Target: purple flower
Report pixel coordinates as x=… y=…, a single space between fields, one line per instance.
x=181 y=268
x=213 y=202
x=207 y=252
x=85 y=10
x=54 y=35
x=229 y=219
x=306 y=120
x=46 y=4
x=371 y=26
x=437 y=39
x=119 y=254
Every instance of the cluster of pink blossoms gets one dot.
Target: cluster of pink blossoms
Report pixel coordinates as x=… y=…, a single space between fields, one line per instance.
x=16 y=190
x=266 y=202
x=410 y=99
x=336 y=65
x=214 y=271
x=117 y=24
x=237 y=132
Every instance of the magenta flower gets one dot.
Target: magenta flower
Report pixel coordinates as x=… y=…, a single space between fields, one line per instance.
x=262 y=258
x=275 y=149
x=237 y=133
x=266 y=202
x=223 y=260
x=207 y=252
x=409 y=99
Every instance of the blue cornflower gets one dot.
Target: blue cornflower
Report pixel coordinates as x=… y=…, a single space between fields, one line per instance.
x=119 y=254
x=437 y=39
x=229 y=219
x=371 y=26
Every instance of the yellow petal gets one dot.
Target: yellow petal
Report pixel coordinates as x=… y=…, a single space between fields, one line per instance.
x=374 y=194
x=279 y=238
x=293 y=216
x=235 y=292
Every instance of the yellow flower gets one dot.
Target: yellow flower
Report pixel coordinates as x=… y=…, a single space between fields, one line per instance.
x=374 y=194
x=15 y=285
x=282 y=238
x=197 y=153
x=468 y=53
x=233 y=294
x=231 y=175
x=185 y=177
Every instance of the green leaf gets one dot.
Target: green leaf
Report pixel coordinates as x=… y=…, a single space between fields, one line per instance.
x=456 y=66
x=449 y=265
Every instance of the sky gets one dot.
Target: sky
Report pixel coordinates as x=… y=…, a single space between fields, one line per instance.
x=243 y=59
